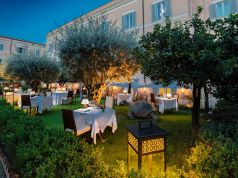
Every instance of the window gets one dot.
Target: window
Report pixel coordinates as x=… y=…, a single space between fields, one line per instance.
x=37 y=52
x=20 y=50
x=223 y=8
x=1 y=47
x=158 y=11
x=129 y=21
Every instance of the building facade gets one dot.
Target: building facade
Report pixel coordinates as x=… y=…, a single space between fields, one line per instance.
x=142 y=15
x=10 y=46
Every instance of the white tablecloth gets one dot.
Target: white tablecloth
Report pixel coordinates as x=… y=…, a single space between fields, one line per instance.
x=57 y=97
x=124 y=97
x=166 y=103
x=97 y=119
x=42 y=102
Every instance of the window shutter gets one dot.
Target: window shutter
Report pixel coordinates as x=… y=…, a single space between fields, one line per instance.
x=212 y=11
x=168 y=10
x=234 y=6
x=133 y=19
x=124 y=23
x=154 y=9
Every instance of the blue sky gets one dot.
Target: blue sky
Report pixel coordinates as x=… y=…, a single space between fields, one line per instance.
x=32 y=19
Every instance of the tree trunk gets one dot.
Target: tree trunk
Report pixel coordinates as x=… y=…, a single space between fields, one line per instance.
x=97 y=93
x=206 y=99
x=196 y=109
x=129 y=88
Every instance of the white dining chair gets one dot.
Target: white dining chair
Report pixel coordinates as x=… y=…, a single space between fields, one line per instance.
x=109 y=102
x=29 y=90
x=48 y=93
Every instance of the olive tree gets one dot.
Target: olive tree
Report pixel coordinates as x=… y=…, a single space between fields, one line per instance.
x=32 y=69
x=97 y=52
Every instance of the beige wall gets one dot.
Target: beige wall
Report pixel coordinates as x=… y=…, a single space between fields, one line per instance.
x=180 y=10
x=11 y=45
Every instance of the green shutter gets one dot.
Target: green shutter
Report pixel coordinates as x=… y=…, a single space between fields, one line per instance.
x=133 y=19
x=212 y=11
x=228 y=7
x=154 y=9
x=168 y=10
x=124 y=24
x=234 y=6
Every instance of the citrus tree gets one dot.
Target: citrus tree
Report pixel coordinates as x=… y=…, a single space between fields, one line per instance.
x=186 y=53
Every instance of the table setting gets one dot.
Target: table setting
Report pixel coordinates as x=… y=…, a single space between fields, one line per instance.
x=98 y=118
x=124 y=97
x=166 y=103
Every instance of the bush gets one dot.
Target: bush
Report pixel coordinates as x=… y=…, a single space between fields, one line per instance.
x=226 y=111
x=35 y=151
x=215 y=154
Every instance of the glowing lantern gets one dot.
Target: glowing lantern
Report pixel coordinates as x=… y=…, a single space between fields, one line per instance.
x=124 y=91
x=169 y=95
x=146 y=139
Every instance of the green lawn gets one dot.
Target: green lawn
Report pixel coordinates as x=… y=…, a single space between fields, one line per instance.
x=178 y=124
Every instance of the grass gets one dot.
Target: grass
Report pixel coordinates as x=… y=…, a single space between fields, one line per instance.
x=178 y=124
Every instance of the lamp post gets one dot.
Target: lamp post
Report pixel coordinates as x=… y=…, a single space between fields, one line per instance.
x=145 y=138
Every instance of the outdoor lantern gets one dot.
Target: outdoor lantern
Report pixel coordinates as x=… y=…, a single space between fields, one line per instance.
x=124 y=91
x=85 y=102
x=144 y=140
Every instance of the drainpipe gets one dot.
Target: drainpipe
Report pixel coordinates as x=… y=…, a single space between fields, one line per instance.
x=143 y=17
x=143 y=24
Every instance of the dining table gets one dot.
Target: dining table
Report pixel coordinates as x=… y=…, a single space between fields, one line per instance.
x=97 y=118
x=166 y=104
x=42 y=102
x=124 y=97
x=58 y=97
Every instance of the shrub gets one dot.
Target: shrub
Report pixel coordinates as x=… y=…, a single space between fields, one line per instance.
x=35 y=151
x=214 y=155
x=226 y=111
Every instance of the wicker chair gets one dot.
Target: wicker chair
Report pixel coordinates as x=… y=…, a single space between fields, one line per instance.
x=78 y=127
x=26 y=103
x=1 y=93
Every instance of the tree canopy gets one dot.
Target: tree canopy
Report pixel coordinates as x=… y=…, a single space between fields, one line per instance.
x=32 y=69
x=184 y=52
x=226 y=79
x=97 y=52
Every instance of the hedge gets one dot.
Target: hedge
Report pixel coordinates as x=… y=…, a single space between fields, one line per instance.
x=35 y=151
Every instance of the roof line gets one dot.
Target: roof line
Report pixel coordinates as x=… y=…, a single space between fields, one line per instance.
x=84 y=14
x=21 y=40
